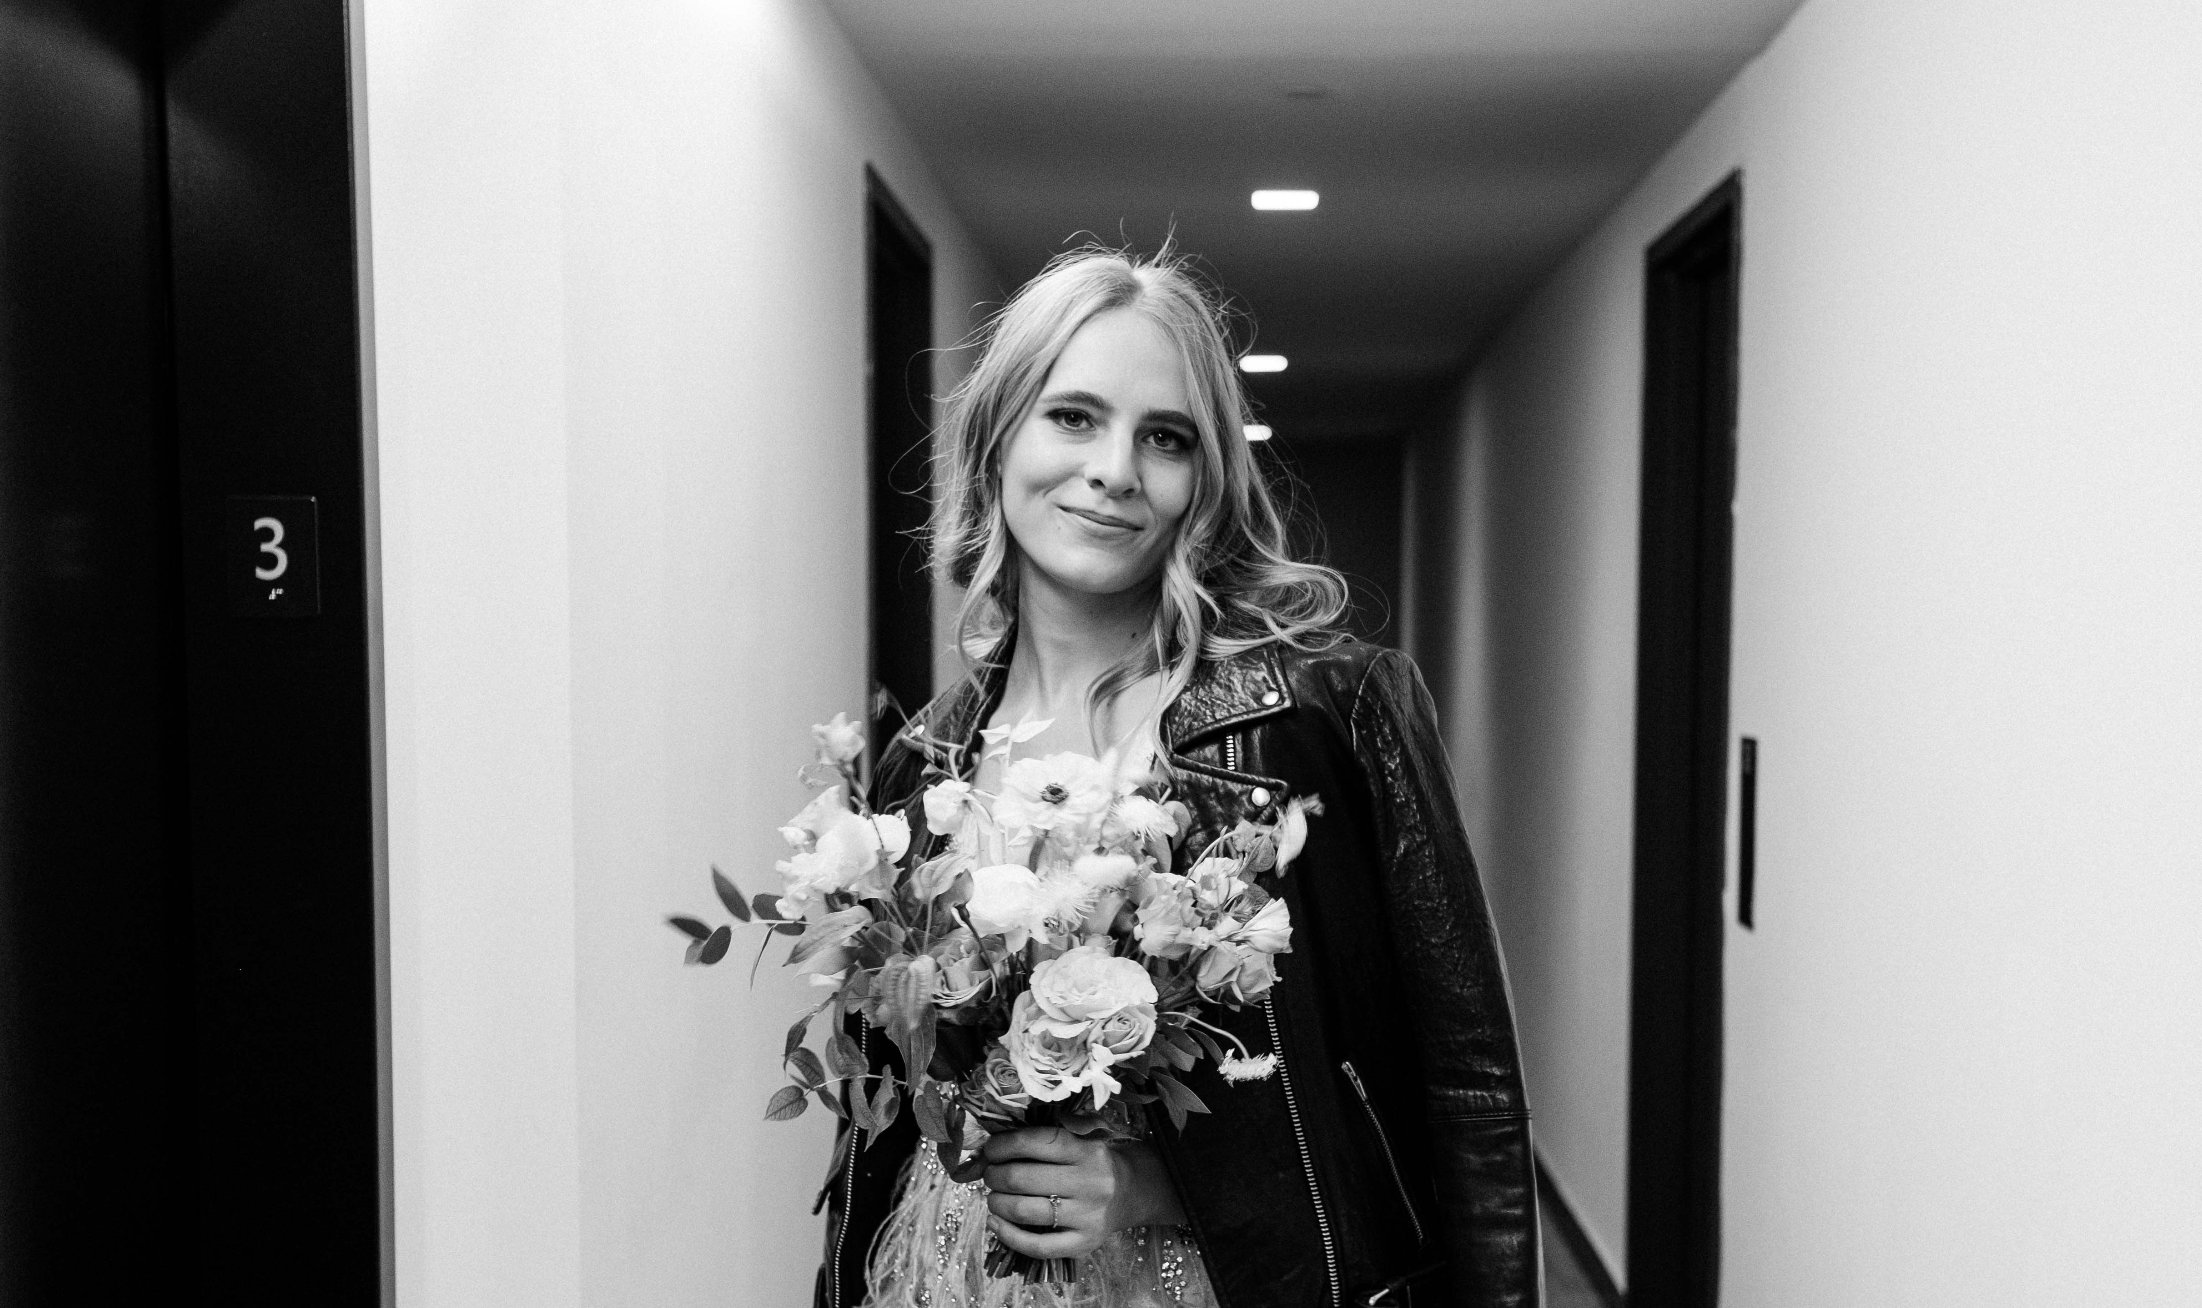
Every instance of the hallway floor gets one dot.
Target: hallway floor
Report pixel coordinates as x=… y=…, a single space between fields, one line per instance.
x=1566 y=1285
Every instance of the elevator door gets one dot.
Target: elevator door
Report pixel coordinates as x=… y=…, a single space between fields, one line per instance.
x=191 y=1068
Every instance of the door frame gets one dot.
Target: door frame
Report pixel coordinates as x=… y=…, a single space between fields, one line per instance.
x=1685 y=569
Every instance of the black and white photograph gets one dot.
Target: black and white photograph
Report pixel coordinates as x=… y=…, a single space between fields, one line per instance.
x=1101 y=653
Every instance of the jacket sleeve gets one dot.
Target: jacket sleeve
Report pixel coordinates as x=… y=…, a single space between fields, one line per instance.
x=1477 y=1113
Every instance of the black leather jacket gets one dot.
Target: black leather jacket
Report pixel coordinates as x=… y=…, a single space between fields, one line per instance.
x=1406 y=1180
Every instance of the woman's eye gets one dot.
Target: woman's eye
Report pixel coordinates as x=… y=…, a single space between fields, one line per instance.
x=1071 y=419
x=1170 y=439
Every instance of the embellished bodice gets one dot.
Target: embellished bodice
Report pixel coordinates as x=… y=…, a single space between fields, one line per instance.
x=932 y=1254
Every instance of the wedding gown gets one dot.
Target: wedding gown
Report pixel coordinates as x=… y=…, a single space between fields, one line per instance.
x=932 y=1254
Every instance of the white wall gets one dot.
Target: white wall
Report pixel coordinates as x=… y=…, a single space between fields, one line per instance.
x=619 y=335
x=1963 y=1054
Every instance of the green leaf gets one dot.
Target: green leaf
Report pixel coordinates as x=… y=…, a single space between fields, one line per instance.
x=828 y=931
x=729 y=896
x=845 y=1056
x=1176 y=1099
x=969 y=1170
x=1179 y=1058
x=831 y=1102
x=695 y=951
x=931 y=1113
x=689 y=927
x=808 y=1069
x=861 y=1109
x=797 y=1032
x=951 y=1154
x=788 y=929
x=715 y=948
x=886 y=1104
x=766 y=907
x=787 y=1101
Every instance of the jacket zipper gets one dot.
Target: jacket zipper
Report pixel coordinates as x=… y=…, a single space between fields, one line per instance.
x=1385 y=1141
x=1307 y=1160
x=1231 y=752
x=848 y=1176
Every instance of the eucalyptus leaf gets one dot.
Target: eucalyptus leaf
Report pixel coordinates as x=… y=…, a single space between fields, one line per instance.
x=695 y=950
x=729 y=896
x=969 y=1170
x=787 y=1101
x=787 y=929
x=767 y=907
x=689 y=927
x=715 y=948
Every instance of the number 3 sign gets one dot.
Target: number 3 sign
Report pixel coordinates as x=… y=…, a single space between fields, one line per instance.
x=272 y=556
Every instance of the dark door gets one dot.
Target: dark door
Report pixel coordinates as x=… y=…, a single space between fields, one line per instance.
x=900 y=367
x=1681 y=756
x=190 y=1067
x=1351 y=511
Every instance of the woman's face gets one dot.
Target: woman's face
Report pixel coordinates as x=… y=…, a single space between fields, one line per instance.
x=1100 y=472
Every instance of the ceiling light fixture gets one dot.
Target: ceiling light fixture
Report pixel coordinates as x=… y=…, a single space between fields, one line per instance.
x=1286 y=199
x=1257 y=431
x=1261 y=363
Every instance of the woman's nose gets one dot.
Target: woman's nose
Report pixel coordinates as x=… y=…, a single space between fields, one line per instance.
x=1112 y=464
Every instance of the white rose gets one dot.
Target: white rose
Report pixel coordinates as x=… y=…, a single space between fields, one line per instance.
x=1053 y=1061
x=1089 y=983
x=1006 y=900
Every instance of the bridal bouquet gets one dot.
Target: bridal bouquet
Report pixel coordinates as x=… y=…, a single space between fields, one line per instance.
x=1043 y=954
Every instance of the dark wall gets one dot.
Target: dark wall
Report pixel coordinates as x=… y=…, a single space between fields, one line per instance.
x=1350 y=515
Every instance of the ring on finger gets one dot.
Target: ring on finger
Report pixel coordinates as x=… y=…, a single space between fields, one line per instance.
x=1055 y=1212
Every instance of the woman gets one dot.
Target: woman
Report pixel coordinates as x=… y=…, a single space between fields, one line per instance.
x=1126 y=578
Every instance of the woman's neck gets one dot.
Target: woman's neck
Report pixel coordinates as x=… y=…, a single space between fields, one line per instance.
x=1065 y=641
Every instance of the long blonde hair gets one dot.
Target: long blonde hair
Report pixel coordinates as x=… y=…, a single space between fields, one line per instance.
x=1229 y=583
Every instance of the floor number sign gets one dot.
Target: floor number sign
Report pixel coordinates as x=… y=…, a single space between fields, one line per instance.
x=272 y=557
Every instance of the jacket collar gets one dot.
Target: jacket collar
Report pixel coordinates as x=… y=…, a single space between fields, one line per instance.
x=1227 y=693
x=1223 y=694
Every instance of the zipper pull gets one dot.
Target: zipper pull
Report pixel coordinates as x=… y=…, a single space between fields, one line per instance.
x=1355 y=1077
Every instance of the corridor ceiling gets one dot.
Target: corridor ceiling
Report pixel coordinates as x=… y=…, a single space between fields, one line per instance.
x=1461 y=147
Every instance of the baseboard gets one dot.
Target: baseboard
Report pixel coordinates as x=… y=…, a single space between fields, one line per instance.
x=1587 y=1255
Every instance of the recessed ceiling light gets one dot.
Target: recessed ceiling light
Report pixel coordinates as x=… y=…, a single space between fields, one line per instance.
x=1286 y=199
x=1261 y=363
x=1257 y=431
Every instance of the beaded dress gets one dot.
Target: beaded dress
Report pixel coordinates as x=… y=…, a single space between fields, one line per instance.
x=932 y=1254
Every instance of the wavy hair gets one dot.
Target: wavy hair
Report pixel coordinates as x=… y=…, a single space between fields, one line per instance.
x=1229 y=583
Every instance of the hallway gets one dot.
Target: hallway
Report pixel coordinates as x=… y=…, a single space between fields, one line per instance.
x=580 y=351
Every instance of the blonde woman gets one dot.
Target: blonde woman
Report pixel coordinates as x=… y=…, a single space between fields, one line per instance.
x=1127 y=578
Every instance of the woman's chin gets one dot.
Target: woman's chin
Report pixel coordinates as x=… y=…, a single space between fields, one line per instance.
x=1107 y=581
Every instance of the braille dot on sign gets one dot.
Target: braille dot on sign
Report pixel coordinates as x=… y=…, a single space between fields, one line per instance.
x=1260 y=797
x=1270 y=698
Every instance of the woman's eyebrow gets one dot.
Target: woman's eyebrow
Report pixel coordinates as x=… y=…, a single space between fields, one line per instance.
x=1087 y=398
x=1173 y=416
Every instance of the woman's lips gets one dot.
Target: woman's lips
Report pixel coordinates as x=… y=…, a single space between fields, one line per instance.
x=1101 y=519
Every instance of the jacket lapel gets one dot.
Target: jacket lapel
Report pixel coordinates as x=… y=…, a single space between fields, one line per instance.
x=1226 y=694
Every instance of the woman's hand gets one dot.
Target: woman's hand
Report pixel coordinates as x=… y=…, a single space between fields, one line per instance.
x=1102 y=1187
